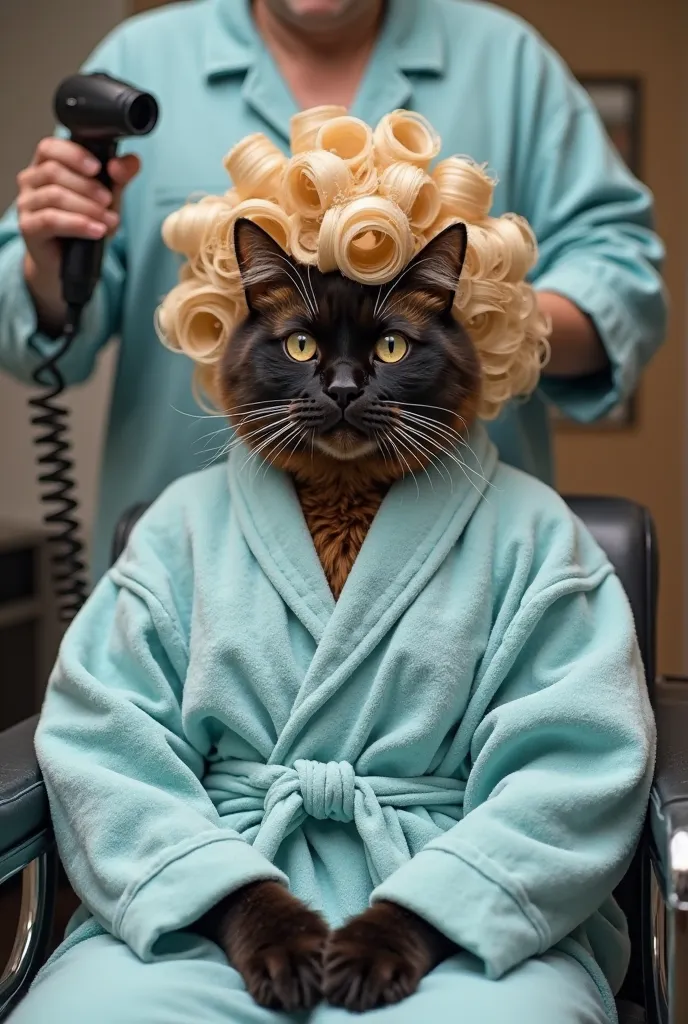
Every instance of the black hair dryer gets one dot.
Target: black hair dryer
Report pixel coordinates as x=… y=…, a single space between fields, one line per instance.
x=98 y=111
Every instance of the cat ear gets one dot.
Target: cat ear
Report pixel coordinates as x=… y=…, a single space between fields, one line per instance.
x=263 y=264
x=437 y=267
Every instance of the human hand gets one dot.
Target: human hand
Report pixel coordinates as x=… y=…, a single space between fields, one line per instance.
x=60 y=198
x=576 y=347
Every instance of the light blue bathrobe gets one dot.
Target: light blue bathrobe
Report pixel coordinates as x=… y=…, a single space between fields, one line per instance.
x=465 y=732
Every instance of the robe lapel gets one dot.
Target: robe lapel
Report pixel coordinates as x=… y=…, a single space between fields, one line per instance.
x=410 y=43
x=266 y=92
x=275 y=530
x=384 y=86
x=412 y=534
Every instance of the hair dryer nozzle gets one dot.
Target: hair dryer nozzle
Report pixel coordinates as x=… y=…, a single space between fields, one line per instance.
x=100 y=107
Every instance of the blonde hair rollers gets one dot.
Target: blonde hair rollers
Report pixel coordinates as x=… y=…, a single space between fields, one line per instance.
x=305 y=126
x=361 y=201
x=368 y=240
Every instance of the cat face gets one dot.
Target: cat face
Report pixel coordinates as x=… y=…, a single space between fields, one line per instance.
x=325 y=365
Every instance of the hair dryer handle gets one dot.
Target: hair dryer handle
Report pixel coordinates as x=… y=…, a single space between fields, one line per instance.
x=82 y=258
x=104 y=150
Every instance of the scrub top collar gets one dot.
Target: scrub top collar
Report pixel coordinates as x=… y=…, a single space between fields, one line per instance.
x=410 y=40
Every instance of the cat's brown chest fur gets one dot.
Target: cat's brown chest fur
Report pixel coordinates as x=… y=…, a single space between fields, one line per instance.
x=339 y=517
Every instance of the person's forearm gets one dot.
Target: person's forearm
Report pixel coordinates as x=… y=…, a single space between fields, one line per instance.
x=577 y=350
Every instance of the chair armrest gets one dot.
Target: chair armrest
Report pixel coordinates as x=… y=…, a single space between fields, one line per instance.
x=669 y=800
x=24 y=811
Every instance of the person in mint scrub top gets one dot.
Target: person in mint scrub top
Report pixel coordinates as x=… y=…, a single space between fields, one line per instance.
x=222 y=69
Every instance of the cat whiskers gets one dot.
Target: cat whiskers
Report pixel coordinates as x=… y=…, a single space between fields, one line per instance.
x=211 y=437
x=198 y=415
x=224 y=413
x=412 y=448
x=310 y=285
x=380 y=440
x=268 y=409
x=446 y=445
x=288 y=428
x=460 y=438
x=377 y=300
x=414 y=439
x=379 y=308
x=385 y=443
x=291 y=430
x=444 y=438
x=449 y=435
x=249 y=417
x=299 y=284
x=256 y=415
x=402 y=459
x=292 y=439
x=456 y=436
x=240 y=439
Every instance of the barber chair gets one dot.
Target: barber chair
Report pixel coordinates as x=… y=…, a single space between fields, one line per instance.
x=654 y=893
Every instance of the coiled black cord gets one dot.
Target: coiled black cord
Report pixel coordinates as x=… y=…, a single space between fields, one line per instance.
x=57 y=480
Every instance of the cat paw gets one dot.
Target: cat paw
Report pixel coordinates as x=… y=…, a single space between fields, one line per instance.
x=377 y=959
x=287 y=974
x=277 y=946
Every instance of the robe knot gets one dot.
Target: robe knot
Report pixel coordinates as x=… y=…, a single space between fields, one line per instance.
x=327 y=790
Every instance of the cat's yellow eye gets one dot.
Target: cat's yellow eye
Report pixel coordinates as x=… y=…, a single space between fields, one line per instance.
x=300 y=346
x=392 y=347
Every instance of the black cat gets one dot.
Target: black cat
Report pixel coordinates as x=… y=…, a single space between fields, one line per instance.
x=347 y=387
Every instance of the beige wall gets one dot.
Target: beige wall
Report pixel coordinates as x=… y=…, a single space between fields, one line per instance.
x=32 y=62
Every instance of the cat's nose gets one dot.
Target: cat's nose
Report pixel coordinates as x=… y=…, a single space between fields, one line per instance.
x=343 y=392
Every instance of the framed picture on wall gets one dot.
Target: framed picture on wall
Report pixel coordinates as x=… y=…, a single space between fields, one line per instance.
x=618 y=100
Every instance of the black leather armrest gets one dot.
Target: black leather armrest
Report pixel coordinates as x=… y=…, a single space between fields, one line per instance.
x=23 y=801
x=124 y=527
x=669 y=803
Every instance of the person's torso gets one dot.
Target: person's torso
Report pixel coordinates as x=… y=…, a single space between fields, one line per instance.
x=457 y=63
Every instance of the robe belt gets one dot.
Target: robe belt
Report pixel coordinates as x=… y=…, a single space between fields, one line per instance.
x=287 y=796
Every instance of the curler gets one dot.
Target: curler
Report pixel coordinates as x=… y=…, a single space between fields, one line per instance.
x=197 y=321
x=465 y=188
x=369 y=240
x=350 y=139
x=217 y=257
x=362 y=202
x=303 y=239
x=255 y=166
x=313 y=182
x=414 y=191
x=405 y=135
x=518 y=247
x=304 y=126
x=184 y=230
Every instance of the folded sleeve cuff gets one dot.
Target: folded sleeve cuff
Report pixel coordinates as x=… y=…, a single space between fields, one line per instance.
x=472 y=901
x=22 y=345
x=590 y=398
x=185 y=884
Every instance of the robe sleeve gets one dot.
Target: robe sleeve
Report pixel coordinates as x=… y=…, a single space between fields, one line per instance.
x=561 y=768
x=595 y=226
x=141 y=841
